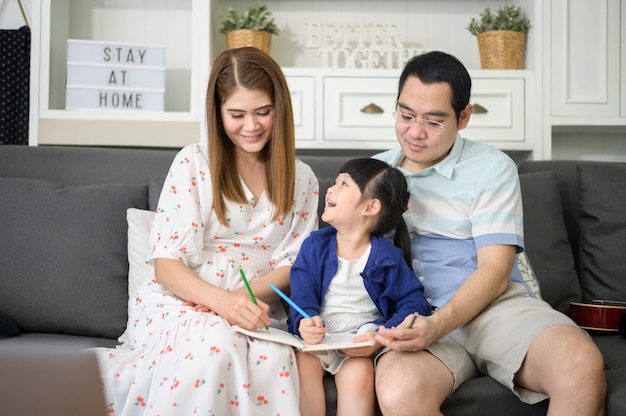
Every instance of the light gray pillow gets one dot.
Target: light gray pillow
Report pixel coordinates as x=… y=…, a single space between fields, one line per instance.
x=64 y=263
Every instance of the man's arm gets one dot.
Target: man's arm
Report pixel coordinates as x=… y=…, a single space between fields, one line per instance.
x=489 y=280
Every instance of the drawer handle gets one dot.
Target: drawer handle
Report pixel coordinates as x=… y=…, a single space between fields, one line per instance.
x=372 y=109
x=478 y=109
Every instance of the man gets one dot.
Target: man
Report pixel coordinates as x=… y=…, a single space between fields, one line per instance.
x=465 y=220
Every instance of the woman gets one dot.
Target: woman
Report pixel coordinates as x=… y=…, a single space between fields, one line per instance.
x=240 y=201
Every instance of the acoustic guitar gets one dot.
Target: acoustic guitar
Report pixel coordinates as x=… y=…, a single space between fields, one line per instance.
x=598 y=315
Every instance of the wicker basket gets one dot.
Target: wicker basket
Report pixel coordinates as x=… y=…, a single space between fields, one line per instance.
x=247 y=37
x=501 y=49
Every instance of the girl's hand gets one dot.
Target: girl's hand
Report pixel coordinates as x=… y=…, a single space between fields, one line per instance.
x=364 y=351
x=312 y=330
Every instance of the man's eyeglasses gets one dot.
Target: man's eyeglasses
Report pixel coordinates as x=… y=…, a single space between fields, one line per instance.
x=430 y=126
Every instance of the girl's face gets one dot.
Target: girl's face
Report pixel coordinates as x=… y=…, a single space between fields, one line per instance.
x=343 y=202
x=248 y=117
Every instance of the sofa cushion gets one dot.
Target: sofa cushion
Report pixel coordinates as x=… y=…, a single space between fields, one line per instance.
x=64 y=257
x=139 y=224
x=545 y=236
x=154 y=191
x=602 y=230
x=7 y=326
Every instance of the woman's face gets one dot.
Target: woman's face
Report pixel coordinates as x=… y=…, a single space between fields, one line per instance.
x=248 y=117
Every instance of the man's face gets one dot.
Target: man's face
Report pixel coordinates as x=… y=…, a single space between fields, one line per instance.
x=425 y=146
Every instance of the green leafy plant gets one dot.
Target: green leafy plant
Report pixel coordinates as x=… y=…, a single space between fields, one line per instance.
x=507 y=17
x=254 y=18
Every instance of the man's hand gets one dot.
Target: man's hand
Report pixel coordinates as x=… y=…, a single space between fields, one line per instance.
x=402 y=338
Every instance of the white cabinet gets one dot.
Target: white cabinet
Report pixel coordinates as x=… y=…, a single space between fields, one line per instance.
x=329 y=103
x=355 y=110
x=586 y=72
x=623 y=61
x=505 y=120
x=181 y=26
x=302 y=89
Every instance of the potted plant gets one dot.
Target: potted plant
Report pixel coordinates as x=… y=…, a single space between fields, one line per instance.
x=254 y=27
x=501 y=36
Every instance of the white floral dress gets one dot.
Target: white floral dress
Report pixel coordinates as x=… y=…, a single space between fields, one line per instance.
x=177 y=361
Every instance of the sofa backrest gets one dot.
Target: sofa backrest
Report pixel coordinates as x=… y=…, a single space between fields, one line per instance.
x=75 y=165
x=591 y=197
x=64 y=265
x=567 y=183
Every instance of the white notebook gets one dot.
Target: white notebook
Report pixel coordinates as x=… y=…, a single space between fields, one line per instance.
x=333 y=341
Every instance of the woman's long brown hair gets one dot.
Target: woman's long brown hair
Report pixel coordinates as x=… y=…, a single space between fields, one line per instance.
x=253 y=69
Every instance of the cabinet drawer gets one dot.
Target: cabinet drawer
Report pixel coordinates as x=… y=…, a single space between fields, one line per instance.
x=504 y=100
x=345 y=115
x=302 y=89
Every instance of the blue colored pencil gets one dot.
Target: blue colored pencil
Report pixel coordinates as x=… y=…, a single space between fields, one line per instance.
x=289 y=301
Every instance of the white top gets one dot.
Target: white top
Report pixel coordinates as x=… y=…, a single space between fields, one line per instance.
x=347 y=305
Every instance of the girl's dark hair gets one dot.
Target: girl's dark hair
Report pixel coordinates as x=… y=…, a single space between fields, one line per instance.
x=437 y=66
x=377 y=180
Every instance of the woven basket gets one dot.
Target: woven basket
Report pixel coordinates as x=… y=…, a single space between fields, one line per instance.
x=501 y=49
x=247 y=37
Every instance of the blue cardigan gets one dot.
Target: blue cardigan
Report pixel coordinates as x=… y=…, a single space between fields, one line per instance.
x=388 y=279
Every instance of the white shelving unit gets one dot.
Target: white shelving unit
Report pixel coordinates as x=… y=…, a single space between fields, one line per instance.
x=181 y=26
x=190 y=31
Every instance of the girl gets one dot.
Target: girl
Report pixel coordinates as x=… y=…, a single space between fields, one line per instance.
x=350 y=278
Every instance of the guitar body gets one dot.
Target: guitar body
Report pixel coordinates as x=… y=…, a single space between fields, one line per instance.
x=598 y=315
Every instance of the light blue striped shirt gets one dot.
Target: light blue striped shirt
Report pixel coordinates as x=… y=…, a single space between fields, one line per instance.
x=469 y=200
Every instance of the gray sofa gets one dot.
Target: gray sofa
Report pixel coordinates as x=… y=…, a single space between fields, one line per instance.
x=64 y=264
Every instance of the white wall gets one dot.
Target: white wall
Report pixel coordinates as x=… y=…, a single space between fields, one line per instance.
x=10 y=16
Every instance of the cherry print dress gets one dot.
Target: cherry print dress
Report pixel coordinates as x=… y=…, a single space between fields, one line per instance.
x=177 y=361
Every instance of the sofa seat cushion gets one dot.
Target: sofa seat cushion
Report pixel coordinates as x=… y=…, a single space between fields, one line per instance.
x=64 y=255
x=602 y=231
x=613 y=348
x=545 y=236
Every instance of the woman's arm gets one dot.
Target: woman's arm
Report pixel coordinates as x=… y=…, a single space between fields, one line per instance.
x=261 y=287
x=236 y=307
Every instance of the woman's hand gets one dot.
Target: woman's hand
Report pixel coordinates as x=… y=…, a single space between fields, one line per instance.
x=198 y=308
x=312 y=330
x=238 y=309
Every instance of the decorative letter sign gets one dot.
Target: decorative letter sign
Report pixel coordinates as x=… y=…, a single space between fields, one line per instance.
x=114 y=76
x=359 y=45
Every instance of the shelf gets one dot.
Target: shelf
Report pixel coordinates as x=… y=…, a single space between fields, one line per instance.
x=180 y=26
x=189 y=30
